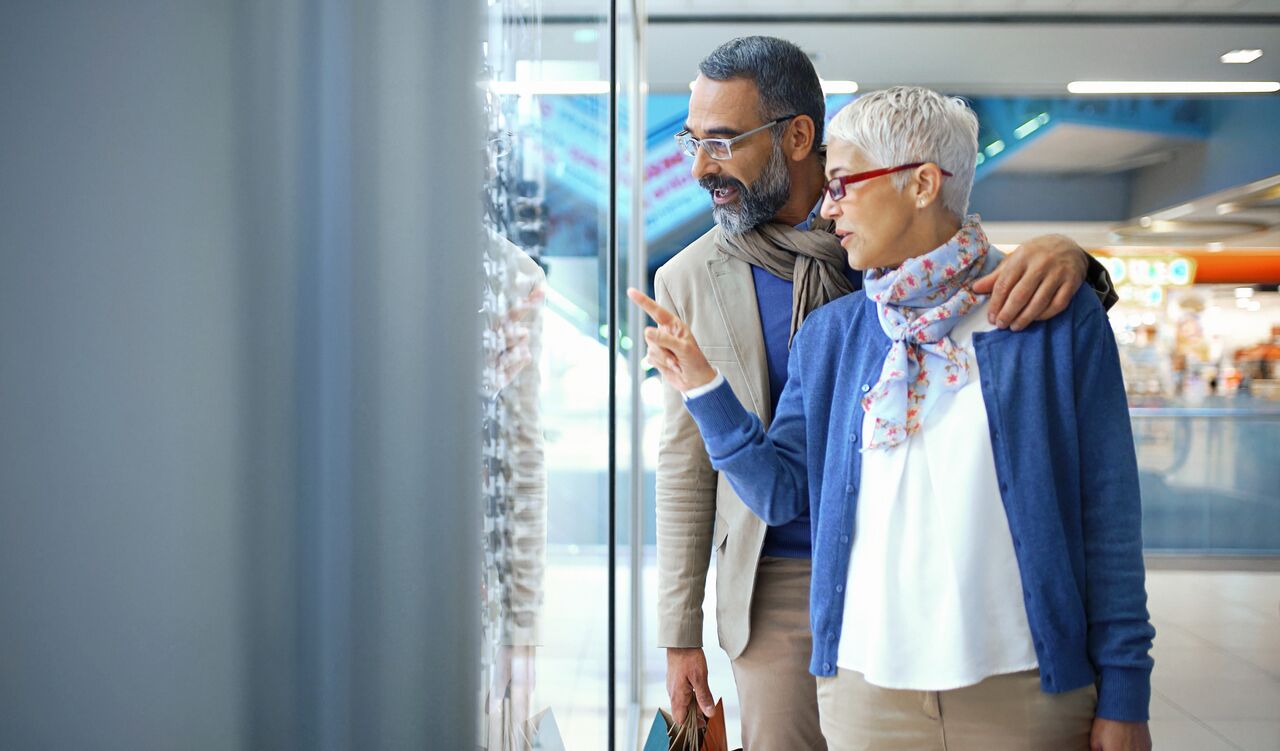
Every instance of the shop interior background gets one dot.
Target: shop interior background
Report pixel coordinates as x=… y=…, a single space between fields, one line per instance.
x=243 y=256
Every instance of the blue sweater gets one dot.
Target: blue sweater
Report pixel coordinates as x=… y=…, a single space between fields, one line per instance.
x=773 y=301
x=1064 y=454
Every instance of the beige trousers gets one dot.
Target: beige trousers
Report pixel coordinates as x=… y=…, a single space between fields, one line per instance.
x=777 y=693
x=1002 y=713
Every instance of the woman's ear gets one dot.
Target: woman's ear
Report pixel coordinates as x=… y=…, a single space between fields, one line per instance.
x=926 y=184
x=797 y=142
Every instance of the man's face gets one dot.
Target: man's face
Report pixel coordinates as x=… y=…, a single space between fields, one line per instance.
x=750 y=188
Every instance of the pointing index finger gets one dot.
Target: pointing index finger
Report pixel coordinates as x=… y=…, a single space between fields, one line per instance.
x=659 y=314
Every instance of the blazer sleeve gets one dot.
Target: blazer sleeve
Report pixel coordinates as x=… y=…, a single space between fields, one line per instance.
x=686 y=512
x=1119 y=626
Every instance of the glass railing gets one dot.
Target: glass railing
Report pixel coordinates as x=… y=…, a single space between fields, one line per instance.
x=1210 y=476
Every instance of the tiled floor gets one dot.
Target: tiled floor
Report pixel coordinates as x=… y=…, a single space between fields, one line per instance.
x=1216 y=685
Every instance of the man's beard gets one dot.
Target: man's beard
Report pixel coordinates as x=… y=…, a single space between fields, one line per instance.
x=757 y=204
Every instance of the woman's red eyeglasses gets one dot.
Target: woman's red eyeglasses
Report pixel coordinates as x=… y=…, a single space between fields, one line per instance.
x=836 y=186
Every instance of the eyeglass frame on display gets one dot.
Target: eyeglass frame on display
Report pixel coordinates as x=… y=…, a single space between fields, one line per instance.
x=690 y=145
x=835 y=187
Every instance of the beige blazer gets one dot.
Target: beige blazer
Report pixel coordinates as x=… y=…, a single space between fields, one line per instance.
x=697 y=509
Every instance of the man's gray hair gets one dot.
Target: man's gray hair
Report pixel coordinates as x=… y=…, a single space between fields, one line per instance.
x=782 y=72
x=906 y=124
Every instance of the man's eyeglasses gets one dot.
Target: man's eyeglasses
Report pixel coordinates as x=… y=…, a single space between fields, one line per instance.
x=836 y=186
x=720 y=148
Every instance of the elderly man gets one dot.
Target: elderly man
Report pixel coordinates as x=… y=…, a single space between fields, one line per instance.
x=755 y=123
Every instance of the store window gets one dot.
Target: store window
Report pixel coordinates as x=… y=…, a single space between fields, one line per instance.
x=556 y=645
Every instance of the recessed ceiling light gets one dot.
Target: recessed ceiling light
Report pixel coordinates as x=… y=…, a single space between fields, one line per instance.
x=528 y=88
x=1239 y=57
x=1173 y=87
x=839 y=87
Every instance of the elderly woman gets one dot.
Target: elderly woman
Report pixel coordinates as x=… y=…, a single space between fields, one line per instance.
x=977 y=556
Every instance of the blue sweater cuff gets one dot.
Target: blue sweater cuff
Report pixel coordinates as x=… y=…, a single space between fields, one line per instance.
x=720 y=418
x=1124 y=694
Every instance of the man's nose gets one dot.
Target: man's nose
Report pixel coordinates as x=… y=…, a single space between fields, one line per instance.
x=704 y=165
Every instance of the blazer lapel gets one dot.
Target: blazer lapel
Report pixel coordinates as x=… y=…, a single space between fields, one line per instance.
x=735 y=294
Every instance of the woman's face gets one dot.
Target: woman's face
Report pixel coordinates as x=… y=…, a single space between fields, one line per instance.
x=874 y=216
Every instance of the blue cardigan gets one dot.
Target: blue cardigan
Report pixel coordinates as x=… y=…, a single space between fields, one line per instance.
x=1064 y=455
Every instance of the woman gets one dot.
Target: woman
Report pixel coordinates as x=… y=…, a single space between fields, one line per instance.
x=977 y=563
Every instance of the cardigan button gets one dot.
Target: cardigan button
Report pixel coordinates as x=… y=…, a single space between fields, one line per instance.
x=839 y=588
x=844 y=538
x=826 y=667
x=865 y=388
x=848 y=488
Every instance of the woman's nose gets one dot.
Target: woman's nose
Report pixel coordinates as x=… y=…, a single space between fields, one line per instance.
x=830 y=209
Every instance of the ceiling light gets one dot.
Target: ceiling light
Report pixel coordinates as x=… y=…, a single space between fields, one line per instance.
x=525 y=88
x=1031 y=126
x=839 y=87
x=995 y=148
x=1177 y=211
x=1173 y=87
x=1239 y=57
x=1244 y=291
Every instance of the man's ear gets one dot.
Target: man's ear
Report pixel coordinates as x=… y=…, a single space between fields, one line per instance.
x=797 y=141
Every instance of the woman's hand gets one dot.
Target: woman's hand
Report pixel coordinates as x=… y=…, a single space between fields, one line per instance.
x=1114 y=735
x=672 y=348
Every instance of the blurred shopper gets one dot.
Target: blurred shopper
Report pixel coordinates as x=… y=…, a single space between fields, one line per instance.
x=515 y=489
x=978 y=579
x=756 y=116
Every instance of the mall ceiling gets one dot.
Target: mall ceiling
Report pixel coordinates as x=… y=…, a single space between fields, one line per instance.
x=1005 y=47
x=978 y=48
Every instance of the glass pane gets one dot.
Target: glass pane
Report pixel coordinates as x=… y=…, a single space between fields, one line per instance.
x=547 y=430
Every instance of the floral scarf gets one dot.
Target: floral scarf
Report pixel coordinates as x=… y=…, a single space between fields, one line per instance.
x=919 y=303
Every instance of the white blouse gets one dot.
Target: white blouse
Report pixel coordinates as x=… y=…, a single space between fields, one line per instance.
x=934 y=599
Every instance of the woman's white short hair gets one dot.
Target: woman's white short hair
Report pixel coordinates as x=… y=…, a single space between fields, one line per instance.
x=907 y=124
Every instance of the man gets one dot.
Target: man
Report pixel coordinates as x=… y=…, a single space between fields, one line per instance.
x=755 y=123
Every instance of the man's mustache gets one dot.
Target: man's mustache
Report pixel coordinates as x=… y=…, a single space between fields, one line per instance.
x=716 y=182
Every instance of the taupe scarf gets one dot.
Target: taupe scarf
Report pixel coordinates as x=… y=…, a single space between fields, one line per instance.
x=812 y=261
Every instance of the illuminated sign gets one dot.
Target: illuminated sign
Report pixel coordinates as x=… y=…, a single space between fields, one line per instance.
x=1143 y=279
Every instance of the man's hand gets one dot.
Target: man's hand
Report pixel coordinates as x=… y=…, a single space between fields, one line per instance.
x=1035 y=282
x=687 y=682
x=1113 y=735
x=672 y=348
